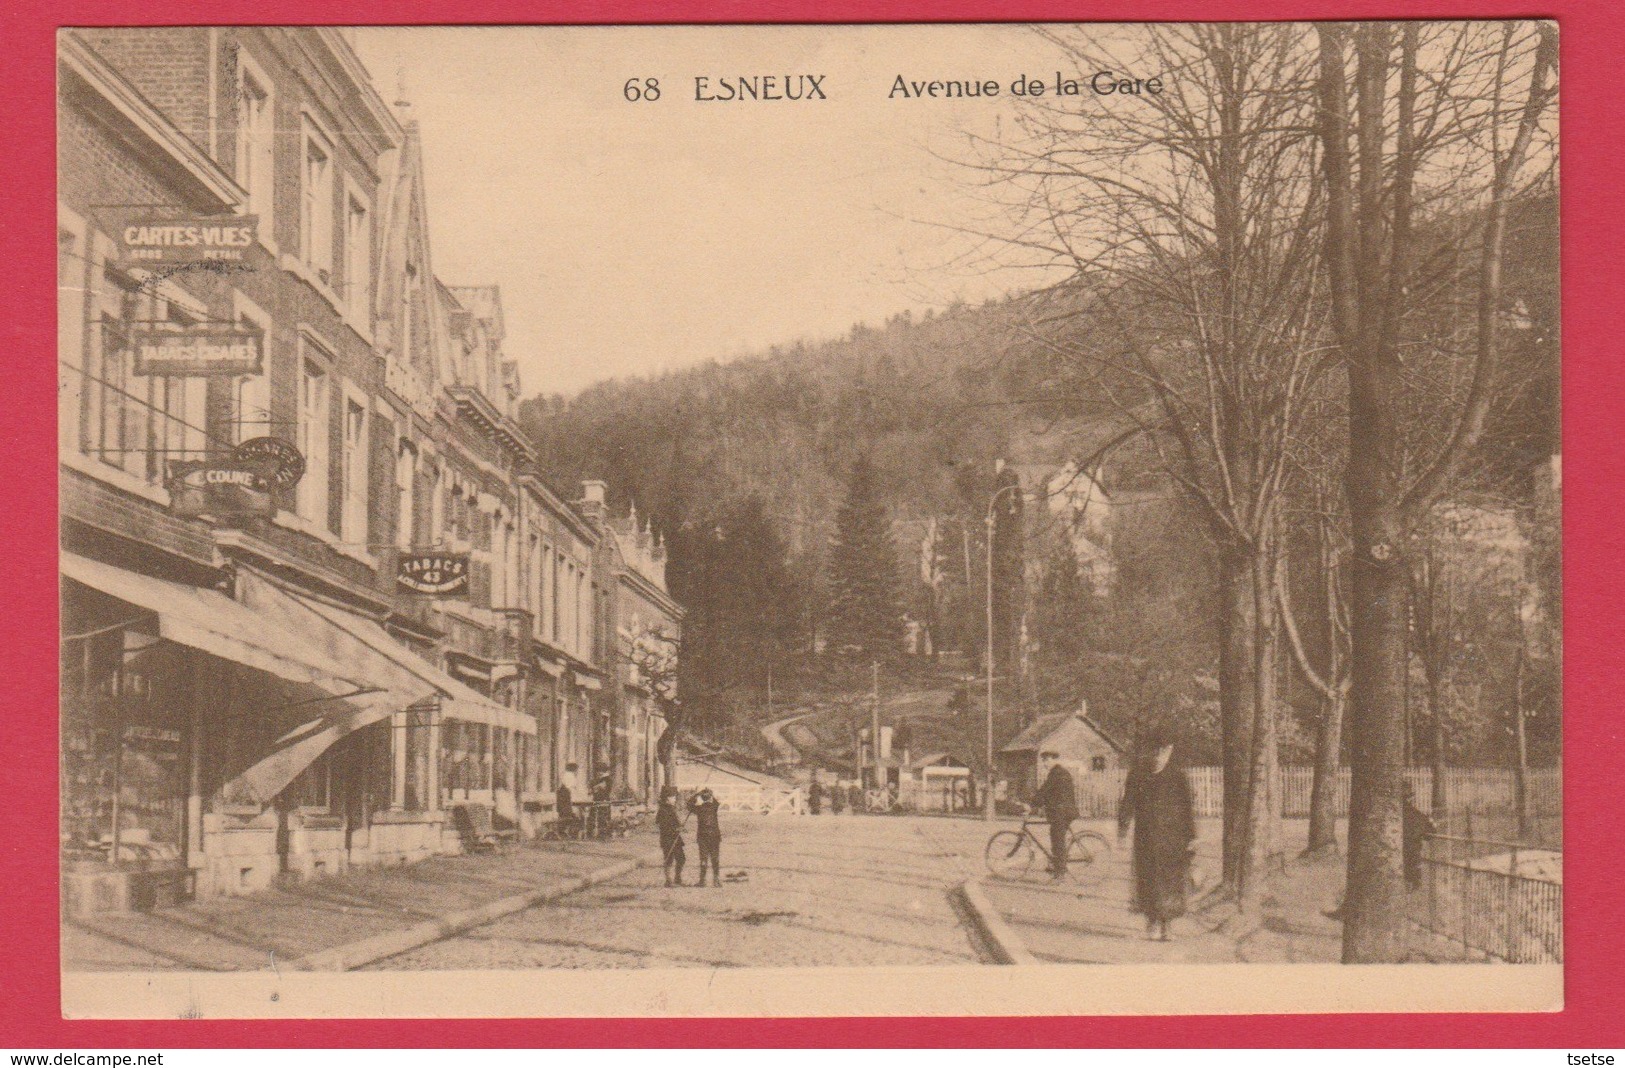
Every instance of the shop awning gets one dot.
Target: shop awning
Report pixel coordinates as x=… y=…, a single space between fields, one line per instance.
x=355 y=639
x=213 y=623
x=298 y=749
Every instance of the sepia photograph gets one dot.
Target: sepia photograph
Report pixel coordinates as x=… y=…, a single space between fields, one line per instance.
x=933 y=519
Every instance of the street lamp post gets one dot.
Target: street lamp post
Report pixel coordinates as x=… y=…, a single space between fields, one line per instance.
x=992 y=505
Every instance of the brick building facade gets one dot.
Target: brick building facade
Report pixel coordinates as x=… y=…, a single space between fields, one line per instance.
x=250 y=692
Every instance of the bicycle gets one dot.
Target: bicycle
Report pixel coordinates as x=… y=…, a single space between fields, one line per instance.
x=1010 y=854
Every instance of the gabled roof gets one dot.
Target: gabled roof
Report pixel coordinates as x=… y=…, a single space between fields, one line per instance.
x=931 y=760
x=1043 y=728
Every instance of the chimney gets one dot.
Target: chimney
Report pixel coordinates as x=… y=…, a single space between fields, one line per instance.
x=593 y=498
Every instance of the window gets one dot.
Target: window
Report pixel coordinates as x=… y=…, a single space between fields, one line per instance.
x=312 y=790
x=353 y=475
x=256 y=130
x=533 y=581
x=1097 y=763
x=406 y=353
x=406 y=469
x=316 y=192
x=555 y=598
x=313 y=442
x=437 y=506
x=138 y=423
x=72 y=261
x=419 y=740
x=357 y=255
x=251 y=394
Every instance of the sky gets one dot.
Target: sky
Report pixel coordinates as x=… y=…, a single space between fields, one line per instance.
x=629 y=238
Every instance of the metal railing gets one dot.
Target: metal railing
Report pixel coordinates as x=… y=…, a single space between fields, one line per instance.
x=1499 y=899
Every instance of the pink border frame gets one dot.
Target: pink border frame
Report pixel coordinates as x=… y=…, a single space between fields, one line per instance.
x=1593 y=314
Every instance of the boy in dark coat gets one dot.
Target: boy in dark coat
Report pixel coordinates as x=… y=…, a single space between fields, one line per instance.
x=1058 y=797
x=670 y=826
x=708 y=834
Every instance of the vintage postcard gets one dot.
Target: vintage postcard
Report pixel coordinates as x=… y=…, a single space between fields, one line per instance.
x=809 y=520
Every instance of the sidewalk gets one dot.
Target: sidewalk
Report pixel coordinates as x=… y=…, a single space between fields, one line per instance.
x=1087 y=918
x=279 y=927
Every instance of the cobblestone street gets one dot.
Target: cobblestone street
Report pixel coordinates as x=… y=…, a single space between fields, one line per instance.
x=798 y=891
x=817 y=891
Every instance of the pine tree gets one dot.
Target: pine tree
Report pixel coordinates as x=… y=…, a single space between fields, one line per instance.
x=865 y=619
x=1061 y=613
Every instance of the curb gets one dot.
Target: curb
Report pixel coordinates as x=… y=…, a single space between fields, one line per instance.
x=1006 y=946
x=368 y=950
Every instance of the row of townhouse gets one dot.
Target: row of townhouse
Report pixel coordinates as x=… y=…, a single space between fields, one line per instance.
x=314 y=595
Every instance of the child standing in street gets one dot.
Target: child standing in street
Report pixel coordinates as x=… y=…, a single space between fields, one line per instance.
x=670 y=826
x=708 y=833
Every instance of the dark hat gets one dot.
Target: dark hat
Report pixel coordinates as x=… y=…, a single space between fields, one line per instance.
x=1160 y=736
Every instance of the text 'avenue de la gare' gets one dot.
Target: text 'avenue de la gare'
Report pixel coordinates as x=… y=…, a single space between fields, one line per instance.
x=1101 y=83
x=772 y=88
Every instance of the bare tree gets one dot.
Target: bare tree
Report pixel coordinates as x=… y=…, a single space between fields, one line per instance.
x=1413 y=120
x=1331 y=683
x=655 y=660
x=1188 y=225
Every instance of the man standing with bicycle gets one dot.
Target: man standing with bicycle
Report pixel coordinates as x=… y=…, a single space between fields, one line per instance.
x=1058 y=797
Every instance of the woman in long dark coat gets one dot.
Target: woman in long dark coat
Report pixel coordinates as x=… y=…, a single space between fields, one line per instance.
x=1157 y=801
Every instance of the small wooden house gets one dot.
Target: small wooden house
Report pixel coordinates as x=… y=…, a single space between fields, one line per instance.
x=1078 y=739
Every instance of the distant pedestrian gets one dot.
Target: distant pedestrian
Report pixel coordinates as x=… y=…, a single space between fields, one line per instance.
x=837 y=797
x=1417 y=826
x=564 y=802
x=708 y=834
x=815 y=796
x=1058 y=797
x=602 y=791
x=670 y=826
x=1158 y=803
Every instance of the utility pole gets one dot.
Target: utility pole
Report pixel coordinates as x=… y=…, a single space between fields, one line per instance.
x=992 y=507
x=987 y=797
x=874 y=722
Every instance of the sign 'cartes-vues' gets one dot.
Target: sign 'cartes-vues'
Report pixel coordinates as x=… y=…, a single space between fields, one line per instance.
x=442 y=574
x=189 y=239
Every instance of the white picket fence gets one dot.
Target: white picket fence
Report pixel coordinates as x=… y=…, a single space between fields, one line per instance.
x=1484 y=793
x=1474 y=791
x=759 y=798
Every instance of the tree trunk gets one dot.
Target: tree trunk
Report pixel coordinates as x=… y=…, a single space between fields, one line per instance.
x=1329 y=731
x=1323 y=792
x=1373 y=931
x=1520 y=755
x=1437 y=803
x=1262 y=831
x=1235 y=709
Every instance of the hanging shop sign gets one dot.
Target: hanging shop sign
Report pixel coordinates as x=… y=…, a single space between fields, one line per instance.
x=442 y=574
x=224 y=489
x=276 y=458
x=189 y=239
x=196 y=351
